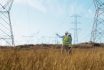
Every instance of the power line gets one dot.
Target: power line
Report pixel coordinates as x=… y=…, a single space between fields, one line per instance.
x=75 y=28
x=6 y=31
x=97 y=34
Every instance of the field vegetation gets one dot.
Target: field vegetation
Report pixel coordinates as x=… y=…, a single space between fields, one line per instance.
x=51 y=59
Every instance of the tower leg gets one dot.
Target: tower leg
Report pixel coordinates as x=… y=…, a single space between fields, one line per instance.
x=6 y=32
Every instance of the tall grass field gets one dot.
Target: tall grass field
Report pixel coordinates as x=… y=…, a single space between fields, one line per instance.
x=51 y=59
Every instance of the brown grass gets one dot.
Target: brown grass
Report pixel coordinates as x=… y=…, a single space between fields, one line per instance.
x=51 y=59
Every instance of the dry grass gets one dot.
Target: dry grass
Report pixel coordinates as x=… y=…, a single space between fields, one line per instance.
x=51 y=59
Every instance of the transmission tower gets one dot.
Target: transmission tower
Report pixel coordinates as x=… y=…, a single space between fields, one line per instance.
x=75 y=28
x=98 y=26
x=6 y=32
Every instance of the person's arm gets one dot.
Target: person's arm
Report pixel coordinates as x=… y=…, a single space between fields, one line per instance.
x=59 y=36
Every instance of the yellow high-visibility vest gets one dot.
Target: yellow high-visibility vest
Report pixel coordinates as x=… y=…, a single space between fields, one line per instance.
x=67 y=40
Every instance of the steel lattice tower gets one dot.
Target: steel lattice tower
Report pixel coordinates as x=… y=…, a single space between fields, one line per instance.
x=98 y=26
x=6 y=32
x=76 y=28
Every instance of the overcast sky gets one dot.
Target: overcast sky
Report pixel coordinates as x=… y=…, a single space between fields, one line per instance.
x=38 y=21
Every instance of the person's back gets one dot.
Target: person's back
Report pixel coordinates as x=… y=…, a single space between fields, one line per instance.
x=67 y=41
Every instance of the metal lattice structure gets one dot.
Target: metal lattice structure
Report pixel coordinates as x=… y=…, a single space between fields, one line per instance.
x=6 y=32
x=98 y=26
x=76 y=28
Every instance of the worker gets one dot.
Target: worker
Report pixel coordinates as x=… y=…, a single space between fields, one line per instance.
x=67 y=41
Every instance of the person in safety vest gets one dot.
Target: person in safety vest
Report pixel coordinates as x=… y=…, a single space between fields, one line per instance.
x=67 y=40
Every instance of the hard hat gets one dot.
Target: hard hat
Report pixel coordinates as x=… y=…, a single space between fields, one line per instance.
x=66 y=33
